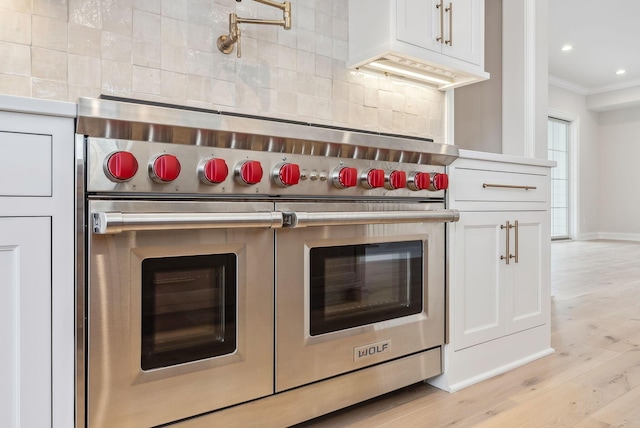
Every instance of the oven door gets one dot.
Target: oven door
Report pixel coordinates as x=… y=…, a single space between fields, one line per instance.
x=180 y=309
x=350 y=295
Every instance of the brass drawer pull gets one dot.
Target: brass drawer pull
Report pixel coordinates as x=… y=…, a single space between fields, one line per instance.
x=508 y=186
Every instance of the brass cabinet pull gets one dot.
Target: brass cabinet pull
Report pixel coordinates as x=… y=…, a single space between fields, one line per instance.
x=506 y=226
x=441 y=7
x=516 y=243
x=508 y=186
x=450 y=10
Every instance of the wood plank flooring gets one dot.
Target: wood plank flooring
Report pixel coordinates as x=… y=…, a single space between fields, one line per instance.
x=591 y=381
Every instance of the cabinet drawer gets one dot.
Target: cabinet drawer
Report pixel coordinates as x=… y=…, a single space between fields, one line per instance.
x=498 y=186
x=25 y=164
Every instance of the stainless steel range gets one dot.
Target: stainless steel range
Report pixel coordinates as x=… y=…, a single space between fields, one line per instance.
x=233 y=269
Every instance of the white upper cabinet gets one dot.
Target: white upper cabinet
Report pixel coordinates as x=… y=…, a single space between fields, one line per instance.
x=453 y=28
x=442 y=40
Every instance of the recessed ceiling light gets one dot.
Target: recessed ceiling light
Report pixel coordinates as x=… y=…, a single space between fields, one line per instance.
x=621 y=71
x=566 y=48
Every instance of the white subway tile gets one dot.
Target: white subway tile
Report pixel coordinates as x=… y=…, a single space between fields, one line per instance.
x=84 y=71
x=371 y=97
x=153 y=6
x=115 y=77
x=174 y=58
x=56 y=9
x=16 y=59
x=116 y=47
x=146 y=80
x=324 y=24
x=340 y=91
x=356 y=115
x=174 y=32
x=323 y=67
x=324 y=45
x=146 y=53
x=200 y=38
x=87 y=13
x=15 y=27
x=49 y=64
x=11 y=84
x=306 y=63
x=224 y=67
x=303 y=17
x=173 y=86
x=287 y=58
x=200 y=89
x=50 y=33
x=17 y=5
x=146 y=26
x=117 y=17
x=324 y=88
x=287 y=102
x=224 y=93
x=85 y=41
x=199 y=63
x=200 y=12
x=49 y=89
x=176 y=9
x=306 y=40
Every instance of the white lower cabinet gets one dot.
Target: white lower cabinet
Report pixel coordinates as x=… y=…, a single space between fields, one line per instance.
x=37 y=282
x=498 y=308
x=25 y=321
x=495 y=298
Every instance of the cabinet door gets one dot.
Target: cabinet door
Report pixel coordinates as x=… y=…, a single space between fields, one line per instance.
x=25 y=321
x=527 y=279
x=418 y=23
x=459 y=23
x=463 y=30
x=478 y=284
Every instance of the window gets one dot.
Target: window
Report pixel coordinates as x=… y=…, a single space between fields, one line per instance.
x=559 y=152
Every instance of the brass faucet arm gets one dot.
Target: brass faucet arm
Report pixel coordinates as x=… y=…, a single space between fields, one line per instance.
x=225 y=43
x=281 y=6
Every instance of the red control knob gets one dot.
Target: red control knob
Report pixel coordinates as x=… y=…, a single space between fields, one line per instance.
x=440 y=182
x=121 y=166
x=419 y=181
x=286 y=174
x=396 y=180
x=249 y=172
x=213 y=171
x=373 y=179
x=164 y=168
x=344 y=177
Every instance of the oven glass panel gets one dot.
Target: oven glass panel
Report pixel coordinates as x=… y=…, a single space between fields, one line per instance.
x=355 y=285
x=188 y=309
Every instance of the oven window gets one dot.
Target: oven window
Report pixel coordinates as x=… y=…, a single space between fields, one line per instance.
x=355 y=285
x=188 y=309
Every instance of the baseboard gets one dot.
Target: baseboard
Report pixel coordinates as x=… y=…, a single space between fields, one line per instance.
x=499 y=370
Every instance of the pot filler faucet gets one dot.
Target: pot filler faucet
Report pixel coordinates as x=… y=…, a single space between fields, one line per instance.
x=225 y=43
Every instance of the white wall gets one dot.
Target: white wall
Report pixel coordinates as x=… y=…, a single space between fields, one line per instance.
x=589 y=197
x=619 y=178
x=165 y=50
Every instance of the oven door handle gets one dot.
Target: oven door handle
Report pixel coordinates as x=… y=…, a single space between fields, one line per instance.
x=116 y=222
x=305 y=219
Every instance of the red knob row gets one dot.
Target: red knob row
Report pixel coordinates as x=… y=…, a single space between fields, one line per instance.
x=375 y=178
x=122 y=166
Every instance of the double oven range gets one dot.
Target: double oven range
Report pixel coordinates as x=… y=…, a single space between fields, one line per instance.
x=238 y=271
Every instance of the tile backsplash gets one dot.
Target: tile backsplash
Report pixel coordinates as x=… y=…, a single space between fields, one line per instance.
x=165 y=51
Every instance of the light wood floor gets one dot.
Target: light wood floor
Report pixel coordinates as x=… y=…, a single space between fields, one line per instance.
x=591 y=381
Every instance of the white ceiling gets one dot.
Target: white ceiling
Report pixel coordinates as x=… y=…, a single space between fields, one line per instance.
x=605 y=35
